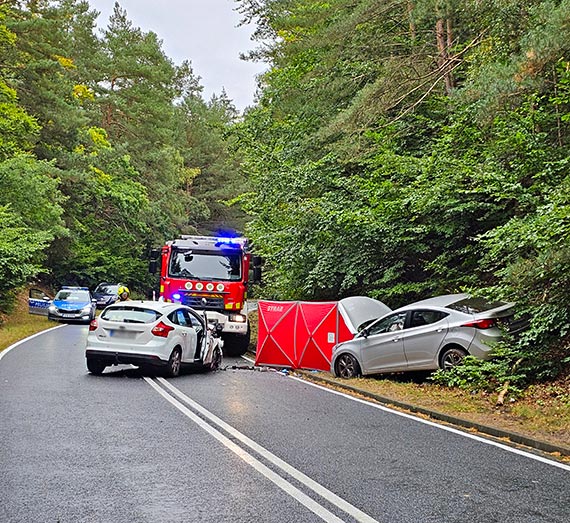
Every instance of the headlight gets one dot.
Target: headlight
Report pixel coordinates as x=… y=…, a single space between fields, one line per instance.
x=52 y=308
x=87 y=308
x=238 y=318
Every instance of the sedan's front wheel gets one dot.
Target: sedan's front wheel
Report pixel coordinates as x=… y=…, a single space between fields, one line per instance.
x=174 y=362
x=347 y=367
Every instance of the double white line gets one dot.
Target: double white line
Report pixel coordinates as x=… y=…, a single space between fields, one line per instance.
x=182 y=402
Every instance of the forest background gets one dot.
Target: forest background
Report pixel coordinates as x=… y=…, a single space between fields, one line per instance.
x=397 y=149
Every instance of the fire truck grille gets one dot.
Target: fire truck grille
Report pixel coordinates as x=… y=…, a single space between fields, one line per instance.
x=196 y=302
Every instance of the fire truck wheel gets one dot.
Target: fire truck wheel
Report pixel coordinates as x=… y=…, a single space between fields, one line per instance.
x=236 y=345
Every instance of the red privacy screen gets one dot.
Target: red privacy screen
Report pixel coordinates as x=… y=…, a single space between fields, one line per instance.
x=299 y=335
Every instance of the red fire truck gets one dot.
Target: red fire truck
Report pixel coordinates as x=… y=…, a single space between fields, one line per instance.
x=212 y=274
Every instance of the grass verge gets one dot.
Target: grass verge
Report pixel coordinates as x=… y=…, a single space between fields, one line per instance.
x=20 y=323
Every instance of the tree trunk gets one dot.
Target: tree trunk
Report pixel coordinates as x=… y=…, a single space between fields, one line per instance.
x=444 y=39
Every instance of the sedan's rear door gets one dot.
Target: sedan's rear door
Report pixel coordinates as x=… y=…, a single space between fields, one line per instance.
x=422 y=337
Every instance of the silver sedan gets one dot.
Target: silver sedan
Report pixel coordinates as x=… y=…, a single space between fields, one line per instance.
x=436 y=333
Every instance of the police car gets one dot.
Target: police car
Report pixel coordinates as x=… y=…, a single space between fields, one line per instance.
x=73 y=304
x=38 y=302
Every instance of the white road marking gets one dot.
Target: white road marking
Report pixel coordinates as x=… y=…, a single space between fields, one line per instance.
x=437 y=425
x=282 y=483
x=337 y=501
x=248 y=359
x=433 y=423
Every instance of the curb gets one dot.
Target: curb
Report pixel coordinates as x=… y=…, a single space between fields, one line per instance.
x=513 y=437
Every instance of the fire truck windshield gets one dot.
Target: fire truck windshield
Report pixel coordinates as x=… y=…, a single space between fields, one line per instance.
x=204 y=266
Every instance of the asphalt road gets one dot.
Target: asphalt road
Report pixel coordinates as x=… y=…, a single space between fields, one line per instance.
x=240 y=445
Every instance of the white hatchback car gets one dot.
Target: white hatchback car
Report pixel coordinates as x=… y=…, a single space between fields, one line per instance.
x=152 y=334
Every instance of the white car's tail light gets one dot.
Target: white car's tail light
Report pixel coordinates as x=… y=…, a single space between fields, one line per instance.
x=93 y=325
x=162 y=330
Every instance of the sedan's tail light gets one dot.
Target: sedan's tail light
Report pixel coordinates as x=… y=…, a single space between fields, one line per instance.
x=481 y=324
x=93 y=325
x=162 y=330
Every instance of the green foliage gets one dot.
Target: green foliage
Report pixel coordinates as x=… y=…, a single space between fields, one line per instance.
x=386 y=161
x=20 y=254
x=507 y=365
x=17 y=128
x=31 y=189
x=119 y=158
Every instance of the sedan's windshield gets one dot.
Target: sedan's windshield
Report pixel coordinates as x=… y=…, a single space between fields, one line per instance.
x=105 y=288
x=205 y=266
x=72 y=296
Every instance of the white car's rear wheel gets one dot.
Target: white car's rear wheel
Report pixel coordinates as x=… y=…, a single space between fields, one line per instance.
x=95 y=366
x=173 y=365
